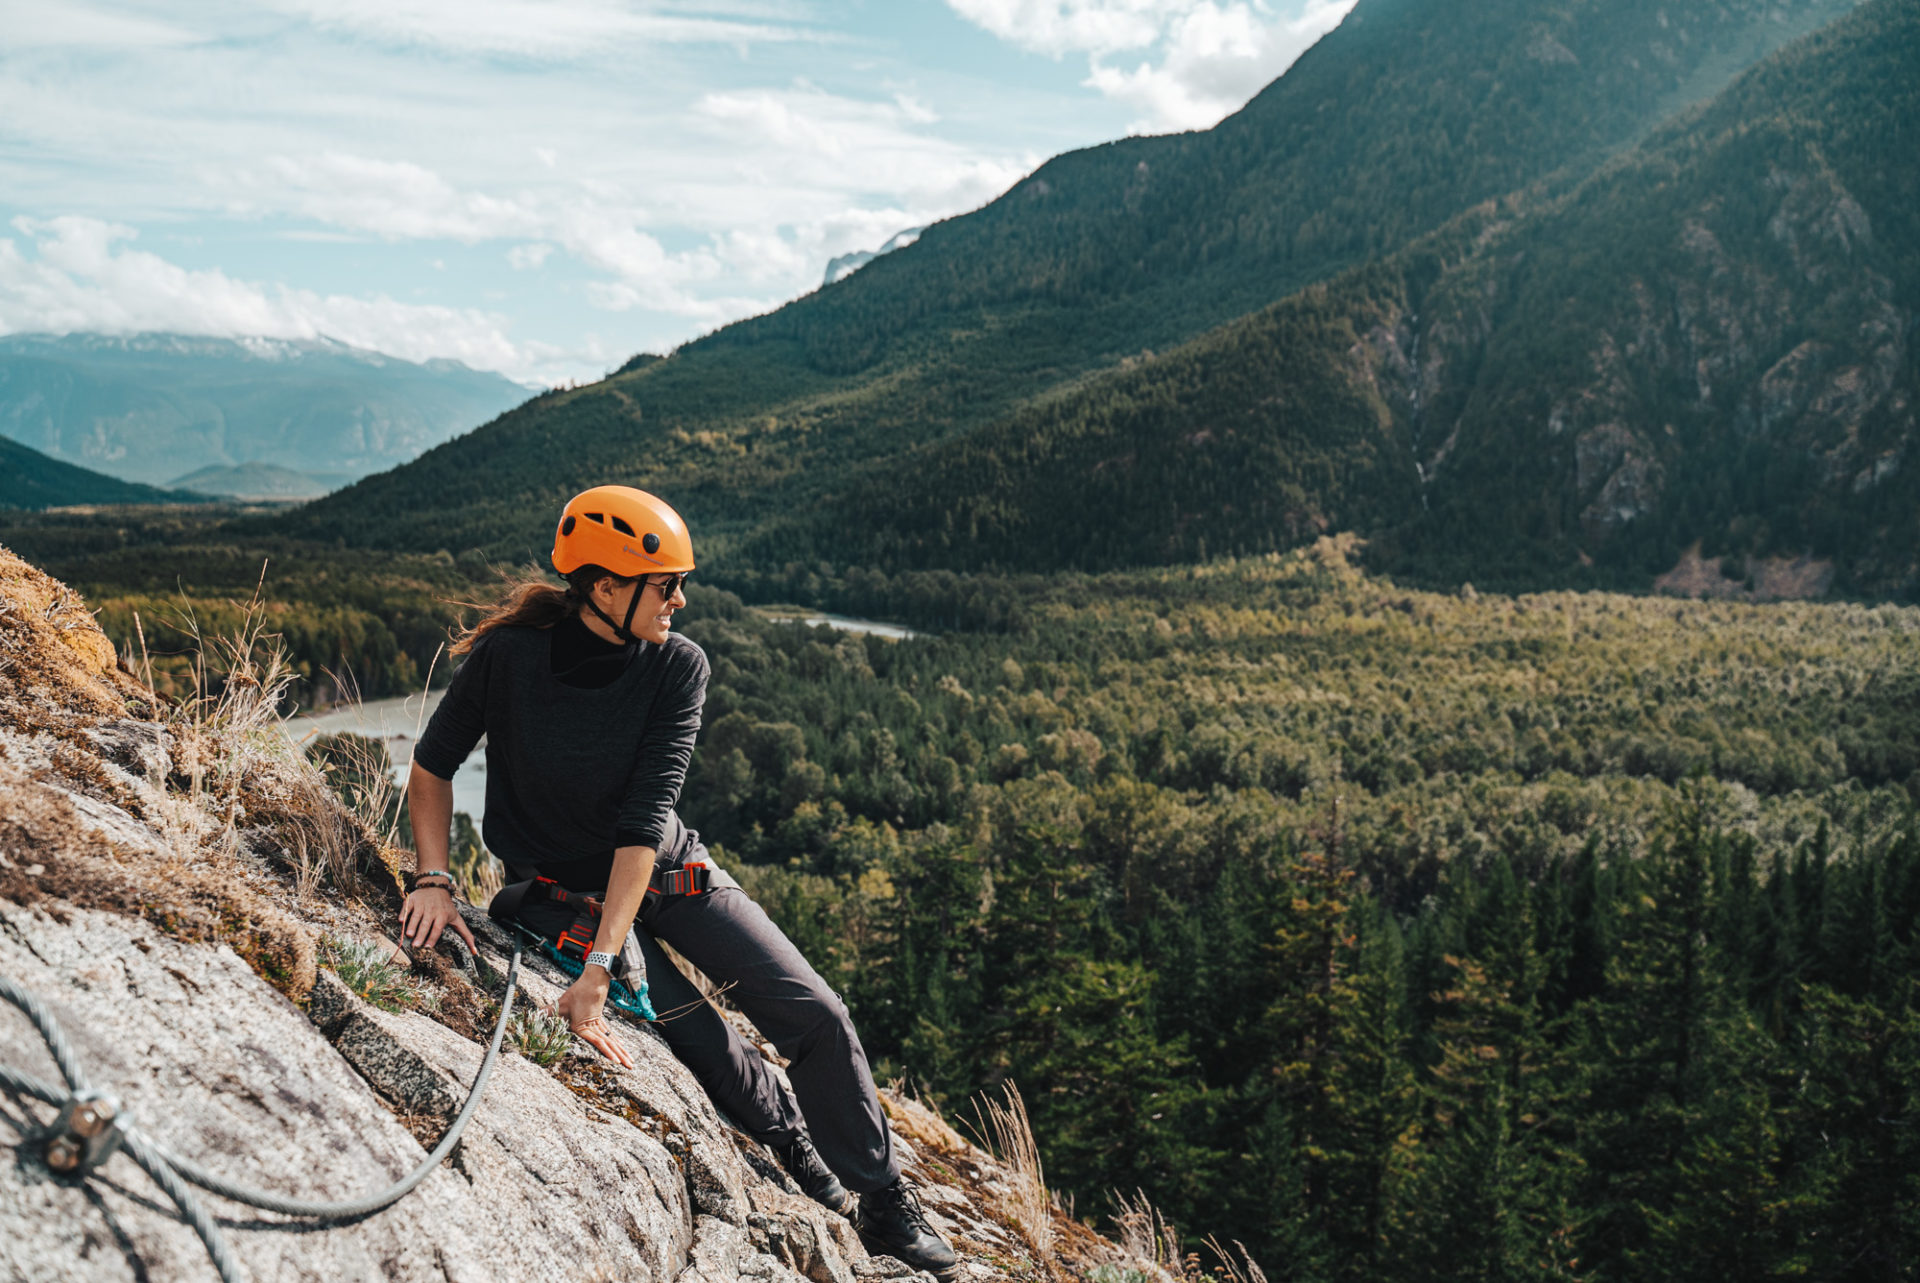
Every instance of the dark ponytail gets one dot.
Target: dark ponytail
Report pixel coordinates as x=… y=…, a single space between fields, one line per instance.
x=533 y=603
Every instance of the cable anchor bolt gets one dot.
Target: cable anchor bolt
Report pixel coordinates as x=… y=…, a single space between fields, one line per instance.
x=87 y=1133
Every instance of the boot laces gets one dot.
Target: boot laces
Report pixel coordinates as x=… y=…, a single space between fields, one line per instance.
x=897 y=1197
x=800 y=1156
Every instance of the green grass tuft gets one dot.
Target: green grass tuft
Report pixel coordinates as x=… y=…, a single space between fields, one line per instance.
x=541 y=1036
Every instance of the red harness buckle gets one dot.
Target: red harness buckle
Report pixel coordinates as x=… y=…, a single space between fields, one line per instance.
x=694 y=878
x=560 y=895
x=576 y=941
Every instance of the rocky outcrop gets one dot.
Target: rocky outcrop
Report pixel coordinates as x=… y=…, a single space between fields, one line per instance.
x=1711 y=339
x=179 y=952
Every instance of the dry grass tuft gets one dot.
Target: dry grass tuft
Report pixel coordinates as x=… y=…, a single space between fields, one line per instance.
x=1148 y=1243
x=1246 y=1271
x=919 y=1122
x=241 y=778
x=1009 y=1133
x=1150 y=1251
x=56 y=666
x=50 y=854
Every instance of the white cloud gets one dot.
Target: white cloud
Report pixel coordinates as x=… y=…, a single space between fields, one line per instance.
x=662 y=162
x=70 y=26
x=80 y=276
x=1058 y=27
x=1193 y=62
x=533 y=28
x=525 y=258
x=396 y=200
x=913 y=109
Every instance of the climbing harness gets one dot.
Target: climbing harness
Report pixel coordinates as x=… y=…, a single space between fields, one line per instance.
x=563 y=924
x=92 y=1127
x=634 y=1003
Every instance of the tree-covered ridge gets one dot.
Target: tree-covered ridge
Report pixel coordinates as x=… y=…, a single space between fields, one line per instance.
x=1709 y=339
x=1406 y=115
x=31 y=480
x=1400 y=935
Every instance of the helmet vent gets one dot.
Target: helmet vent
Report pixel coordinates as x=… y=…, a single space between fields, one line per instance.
x=620 y=524
x=566 y=527
x=597 y=516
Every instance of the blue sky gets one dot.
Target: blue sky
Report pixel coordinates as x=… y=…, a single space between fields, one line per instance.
x=544 y=189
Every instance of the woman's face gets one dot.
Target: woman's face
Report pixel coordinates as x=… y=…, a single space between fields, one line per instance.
x=653 y=617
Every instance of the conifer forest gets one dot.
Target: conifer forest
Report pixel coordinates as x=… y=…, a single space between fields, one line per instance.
x=1397 y=935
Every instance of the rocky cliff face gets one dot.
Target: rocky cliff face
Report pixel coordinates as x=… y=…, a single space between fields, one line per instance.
x=180 y=889
x=1712 y=339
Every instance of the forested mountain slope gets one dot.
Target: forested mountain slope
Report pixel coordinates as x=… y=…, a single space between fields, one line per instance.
x=1410 y=112
x=29 y=479
x=1708 y=340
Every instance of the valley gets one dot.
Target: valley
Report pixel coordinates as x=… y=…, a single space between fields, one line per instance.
x=1371 y=657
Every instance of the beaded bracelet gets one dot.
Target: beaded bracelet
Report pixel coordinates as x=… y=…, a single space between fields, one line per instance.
x=446 y=886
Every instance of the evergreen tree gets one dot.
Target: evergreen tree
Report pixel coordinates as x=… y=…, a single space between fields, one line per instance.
x=1492 y=1199
x=1681 y=1141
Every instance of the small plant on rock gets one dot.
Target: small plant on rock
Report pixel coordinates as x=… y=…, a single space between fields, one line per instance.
x=370 y=971
x=541 y=1036
x=1120 y=1274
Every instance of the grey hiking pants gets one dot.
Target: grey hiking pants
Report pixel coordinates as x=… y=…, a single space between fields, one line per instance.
x=730 y=938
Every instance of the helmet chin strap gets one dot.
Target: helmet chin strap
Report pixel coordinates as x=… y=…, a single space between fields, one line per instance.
x=623 y=630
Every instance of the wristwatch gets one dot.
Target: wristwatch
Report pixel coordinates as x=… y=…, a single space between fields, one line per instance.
x=602 y=959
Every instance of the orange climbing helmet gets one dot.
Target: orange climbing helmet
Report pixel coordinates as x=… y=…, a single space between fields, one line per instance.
x=628 y=532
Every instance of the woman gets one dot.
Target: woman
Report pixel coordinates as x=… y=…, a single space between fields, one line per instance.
x=590 y=703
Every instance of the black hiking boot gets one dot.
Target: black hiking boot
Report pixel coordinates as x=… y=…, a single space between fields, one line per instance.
x=892 y=1224
x=816 y=1181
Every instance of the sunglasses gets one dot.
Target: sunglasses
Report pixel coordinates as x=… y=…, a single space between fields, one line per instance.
x=668 y=584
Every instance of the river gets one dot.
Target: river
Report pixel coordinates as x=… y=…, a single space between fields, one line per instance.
x=397 y=722
x=845 y=623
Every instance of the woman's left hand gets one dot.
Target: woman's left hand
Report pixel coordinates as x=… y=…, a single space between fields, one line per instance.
x=427 y=912
x=583 y=1005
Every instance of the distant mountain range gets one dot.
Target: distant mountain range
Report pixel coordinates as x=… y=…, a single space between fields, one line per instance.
x=1525 y=291
x=152 y=407
x=260 y=481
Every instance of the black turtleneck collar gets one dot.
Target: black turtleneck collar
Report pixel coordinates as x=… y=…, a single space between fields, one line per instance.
x=581 y=658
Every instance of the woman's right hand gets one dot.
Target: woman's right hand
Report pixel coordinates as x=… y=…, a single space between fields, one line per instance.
x=426 y=913
x=584 y=1005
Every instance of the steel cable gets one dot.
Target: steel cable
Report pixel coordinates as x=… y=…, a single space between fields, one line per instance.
x=172 y=1173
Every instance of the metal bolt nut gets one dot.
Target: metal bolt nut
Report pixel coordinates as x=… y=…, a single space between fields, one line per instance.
x=64 y=1154
x=92 y=1118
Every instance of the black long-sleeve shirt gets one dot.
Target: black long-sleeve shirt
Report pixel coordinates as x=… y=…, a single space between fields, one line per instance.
x=572 y=772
